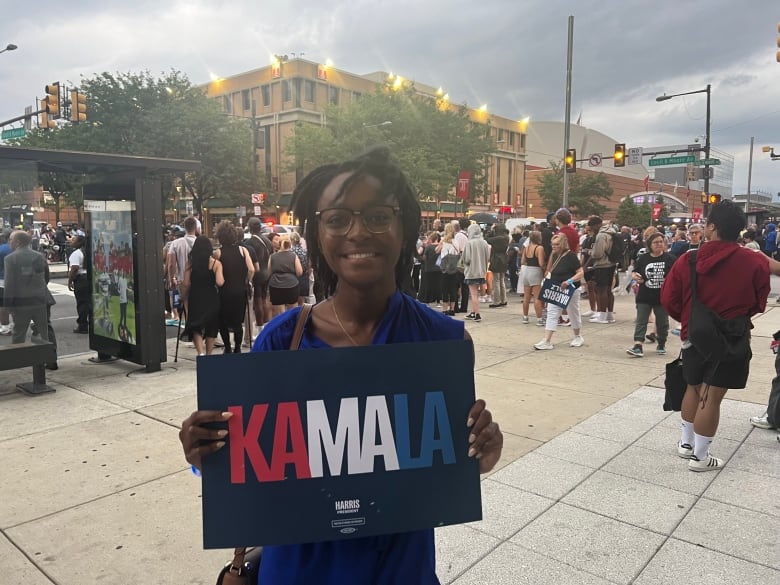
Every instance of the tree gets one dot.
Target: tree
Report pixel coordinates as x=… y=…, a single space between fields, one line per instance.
x=137 y=114
x=431 y=143
x=584 y=191
x=629 y=213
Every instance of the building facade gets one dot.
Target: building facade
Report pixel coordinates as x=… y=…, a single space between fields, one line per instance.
x=294 y=90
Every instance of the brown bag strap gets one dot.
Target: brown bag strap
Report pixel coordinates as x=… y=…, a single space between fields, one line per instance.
x=303 y=316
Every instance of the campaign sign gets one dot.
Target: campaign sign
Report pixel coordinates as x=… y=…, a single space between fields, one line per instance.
x=328 y=444
x=551 y=292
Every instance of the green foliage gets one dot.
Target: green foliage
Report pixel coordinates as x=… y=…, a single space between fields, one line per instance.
x=585 y=192
x=137 y=114
x=430 y=144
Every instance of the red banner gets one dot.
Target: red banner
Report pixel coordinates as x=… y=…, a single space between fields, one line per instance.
x=657 y=210
x=696 y=214
x=464 y=184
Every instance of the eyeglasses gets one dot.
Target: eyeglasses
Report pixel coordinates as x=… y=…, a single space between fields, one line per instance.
x=338 y=221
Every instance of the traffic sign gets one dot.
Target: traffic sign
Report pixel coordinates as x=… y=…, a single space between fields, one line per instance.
x=635 y=155
x=707 y=161
x=595 y=160
x=671 y=160
x=13 y=133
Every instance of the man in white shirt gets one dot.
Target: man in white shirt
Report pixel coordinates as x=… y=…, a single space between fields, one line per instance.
x=460 y=240
x=79 y=284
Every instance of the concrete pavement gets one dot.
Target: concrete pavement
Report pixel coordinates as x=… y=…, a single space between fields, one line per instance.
x=589 y=490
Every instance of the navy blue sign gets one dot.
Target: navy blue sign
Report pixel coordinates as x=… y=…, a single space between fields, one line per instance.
x=340 y=443
x=551 y=292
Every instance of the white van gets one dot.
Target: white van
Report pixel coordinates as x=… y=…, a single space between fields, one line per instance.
x=519 y=222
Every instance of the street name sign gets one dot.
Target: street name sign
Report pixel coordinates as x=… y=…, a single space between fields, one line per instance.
x=707 y=161
x=672 y=160
x=13 y=133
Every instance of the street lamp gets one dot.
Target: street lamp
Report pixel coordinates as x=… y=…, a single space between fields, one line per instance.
x=367 y=126
x=663 y=98
x=9 y=47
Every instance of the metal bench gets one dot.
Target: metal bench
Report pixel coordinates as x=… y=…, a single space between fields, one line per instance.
x=37 y=355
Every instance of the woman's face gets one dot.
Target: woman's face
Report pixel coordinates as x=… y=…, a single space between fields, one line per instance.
x=657 y=247
x=360 y=258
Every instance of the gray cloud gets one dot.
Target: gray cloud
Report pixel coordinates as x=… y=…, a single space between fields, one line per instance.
x=510 y=55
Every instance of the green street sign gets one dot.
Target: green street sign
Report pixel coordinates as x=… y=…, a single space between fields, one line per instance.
x=13 y=133
x=672 y=160
x=707 y=161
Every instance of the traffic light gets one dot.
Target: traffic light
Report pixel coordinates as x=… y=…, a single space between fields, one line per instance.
x=46 y=122
x=571 y=160
x=53 y=100
x=619 y=158
x=78 y=107
x=714 y=198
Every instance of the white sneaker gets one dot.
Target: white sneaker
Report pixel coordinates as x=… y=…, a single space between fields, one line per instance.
x=761 y=422
x=588 y=313
x=543 y=344
x=599 y=318
x=709 y=464
x=5 y=330
x=577 y=341
x=610 y=317
x=525 y=319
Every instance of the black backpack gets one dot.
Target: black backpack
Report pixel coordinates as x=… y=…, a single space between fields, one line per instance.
x=617 y=249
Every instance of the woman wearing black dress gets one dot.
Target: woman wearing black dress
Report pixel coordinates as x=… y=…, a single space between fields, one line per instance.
x=201 y=296
x=238 y=270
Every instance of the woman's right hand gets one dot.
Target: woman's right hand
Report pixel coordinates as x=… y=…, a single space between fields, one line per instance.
x=199 y=441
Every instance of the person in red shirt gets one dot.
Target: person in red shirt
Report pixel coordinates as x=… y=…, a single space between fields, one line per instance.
x=734 y=282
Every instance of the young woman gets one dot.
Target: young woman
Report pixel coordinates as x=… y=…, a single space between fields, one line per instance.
x=238 y=270
x=201 y=296
x=533 y=260
x=563 y=268
x=285 y=269
x=476 y=260
x=449 y=282
x=361 y=220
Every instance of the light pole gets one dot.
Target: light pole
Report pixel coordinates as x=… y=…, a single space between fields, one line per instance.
x=9 y=47
x=663 y=98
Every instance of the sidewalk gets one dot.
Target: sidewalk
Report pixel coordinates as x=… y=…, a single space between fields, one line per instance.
x=589 y=490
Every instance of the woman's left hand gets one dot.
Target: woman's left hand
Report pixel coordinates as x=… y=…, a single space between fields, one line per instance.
x=565 y=284
x=485 y=439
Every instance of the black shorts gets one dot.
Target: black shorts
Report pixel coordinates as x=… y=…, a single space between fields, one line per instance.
x=604 y=277
x=2 y=294
x=283 y=296
x=732 y=374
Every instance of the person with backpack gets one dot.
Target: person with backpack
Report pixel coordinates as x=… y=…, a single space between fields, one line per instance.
x=513 y=259
x=606 y=253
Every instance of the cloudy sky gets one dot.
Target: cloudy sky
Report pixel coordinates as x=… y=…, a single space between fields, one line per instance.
x=509 y=54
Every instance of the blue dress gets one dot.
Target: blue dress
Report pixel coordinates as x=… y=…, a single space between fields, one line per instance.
x=396 y=559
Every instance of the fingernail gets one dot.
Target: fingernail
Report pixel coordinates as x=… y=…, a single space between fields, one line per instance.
x=470 y=422
x=472 y=438
x=222 y=434
x=479 y=455
x=227 y=415
x=220 y=444
x=472 y=451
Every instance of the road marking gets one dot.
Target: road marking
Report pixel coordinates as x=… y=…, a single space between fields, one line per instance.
x=59 y=289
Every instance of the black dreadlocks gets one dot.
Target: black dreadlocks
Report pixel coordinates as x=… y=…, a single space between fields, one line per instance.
x=374 y=163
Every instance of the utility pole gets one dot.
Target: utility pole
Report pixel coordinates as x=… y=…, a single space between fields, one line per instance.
x=750 y=177
x=567 y=120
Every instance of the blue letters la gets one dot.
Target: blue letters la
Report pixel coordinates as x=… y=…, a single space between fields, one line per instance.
x=435 y=415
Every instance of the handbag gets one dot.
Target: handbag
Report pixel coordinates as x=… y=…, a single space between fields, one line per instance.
x=244 y=568
x=715 y=338
x=449 y=263
x=675 y=385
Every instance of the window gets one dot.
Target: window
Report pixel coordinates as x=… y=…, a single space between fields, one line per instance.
x=500 y=134
x=227 y=104
x=522 y=141
x=511 y=138
x=356 y=95
x=245 y=101
x=333 y=95
x=308 y=90
x=266 y=91
x=286 y=91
